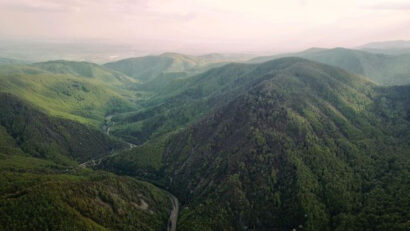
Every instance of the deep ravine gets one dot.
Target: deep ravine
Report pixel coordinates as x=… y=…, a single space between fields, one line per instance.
x=173 y=216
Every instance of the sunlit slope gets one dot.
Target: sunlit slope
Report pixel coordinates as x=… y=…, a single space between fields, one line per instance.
x=48 y=137
x=70 y=96
x=150 y=67
x=85 y=69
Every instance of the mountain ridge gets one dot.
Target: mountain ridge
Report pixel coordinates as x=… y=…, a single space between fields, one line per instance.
x=290 y=151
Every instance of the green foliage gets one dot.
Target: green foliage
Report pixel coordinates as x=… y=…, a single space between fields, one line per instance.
x=287 y=144
x=83 y=99
x=282 y=145
x=43 y=188
x=41 y=195
x=48 y=137
x=148 y=68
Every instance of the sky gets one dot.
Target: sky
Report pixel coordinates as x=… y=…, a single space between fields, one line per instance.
x=209 y=25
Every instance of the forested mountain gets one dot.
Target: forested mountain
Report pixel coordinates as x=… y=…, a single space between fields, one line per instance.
x=51 y=138
x=85 y=69
x=383 y=69
x=279 y=145
x=79 y=91
x=149 y=67
x=43 y=188
x=289 y=144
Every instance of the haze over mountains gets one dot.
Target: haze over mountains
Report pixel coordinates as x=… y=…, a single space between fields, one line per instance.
x=313 y=140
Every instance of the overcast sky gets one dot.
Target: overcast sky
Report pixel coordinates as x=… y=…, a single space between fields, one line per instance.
x=214 y=25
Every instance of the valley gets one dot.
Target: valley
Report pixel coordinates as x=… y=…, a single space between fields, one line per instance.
x=316 y=140
x=204 y=115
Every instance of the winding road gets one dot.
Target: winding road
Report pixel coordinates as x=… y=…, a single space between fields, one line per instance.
x=173 y=216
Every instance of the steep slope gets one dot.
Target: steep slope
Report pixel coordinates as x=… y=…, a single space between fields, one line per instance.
x=301 y=146
x=184 y=102
x=79 y=98
x=51 y=138
x=37 y=194
x=42 y=187
x=383 y=69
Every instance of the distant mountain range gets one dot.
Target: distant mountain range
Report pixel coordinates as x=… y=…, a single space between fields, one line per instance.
x=387 y=47
x=149 y=67
x=383 y=69
x=399 y=44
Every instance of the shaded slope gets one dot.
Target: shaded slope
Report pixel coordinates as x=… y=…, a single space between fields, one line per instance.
x=51 y=138
x=42 y=187
x=41 y=195
x=302 y=145
x=183 y=102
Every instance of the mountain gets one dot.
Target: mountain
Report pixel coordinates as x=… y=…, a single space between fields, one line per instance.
x=398 y=44
x=39 y=195
x=51 y=138
x=387 y=47
x=292 y=144
x=43 y=188
x=383 y=69
x=183 y=102
x=78 y=91
x=85 y=69
x=149 y=67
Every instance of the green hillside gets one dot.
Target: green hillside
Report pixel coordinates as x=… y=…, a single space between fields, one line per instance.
x=85 y=69
x=43 y=188
x=74 y=94
x=51 y=138
x=39 y=194
x=292 y=144
x=183 y=101
x=279 y=145
x=149 y=67
x=383 y=69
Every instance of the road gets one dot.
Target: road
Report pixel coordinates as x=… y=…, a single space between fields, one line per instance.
x=173 y=216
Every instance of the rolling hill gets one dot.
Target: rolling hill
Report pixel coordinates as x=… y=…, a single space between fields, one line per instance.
x=382 y=69
x=291 y=144
x=85 y=69
x=79 y=91
x=149 y=67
